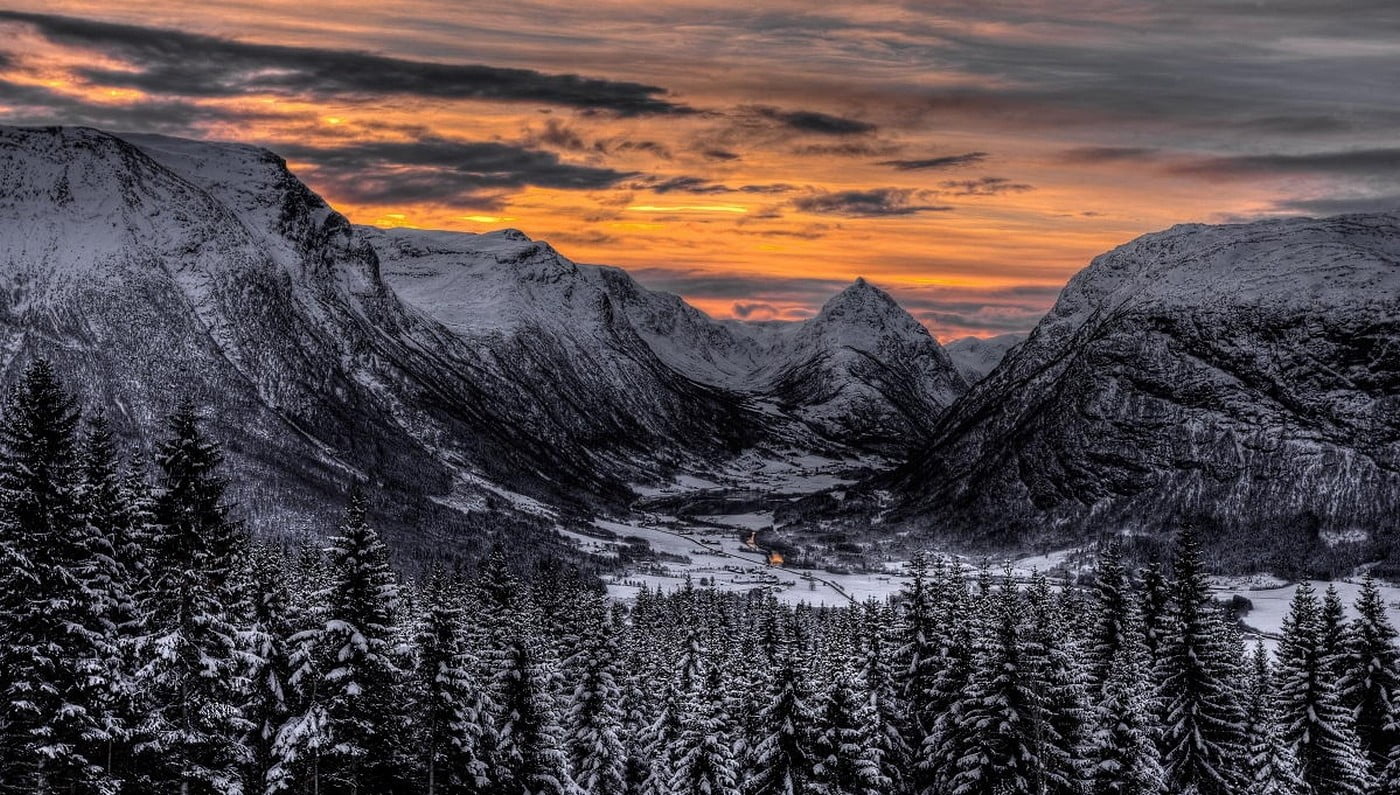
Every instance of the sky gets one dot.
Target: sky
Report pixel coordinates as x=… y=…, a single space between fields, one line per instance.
x=755 y=157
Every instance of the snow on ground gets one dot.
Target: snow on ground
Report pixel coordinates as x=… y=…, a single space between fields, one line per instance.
x=1271 y=603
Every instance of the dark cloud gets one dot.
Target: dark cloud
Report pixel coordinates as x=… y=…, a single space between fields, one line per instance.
x=947 y=161
x=849 y=149
x=1107 y=154
x=719 y=154
x=983 y=186
x=173 y=62
x=30 y=104
x=700 y=185
x=1353 y=163
x=872 y=203
x=441 y=170
x=810 y=121
x=746 y=310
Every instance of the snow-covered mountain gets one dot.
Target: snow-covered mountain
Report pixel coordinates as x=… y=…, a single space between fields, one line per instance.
x=862 y=373
x=487 y=370
x=1243 y=377
x=975 y=357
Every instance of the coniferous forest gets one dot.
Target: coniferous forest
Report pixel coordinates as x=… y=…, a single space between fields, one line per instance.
x=149 y=643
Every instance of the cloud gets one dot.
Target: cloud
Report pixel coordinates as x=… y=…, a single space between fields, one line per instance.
x=983 y=186
x=810 y=121
x=1107 y=154
x=172 y=62
x=947 y=161
x=754 y=311
x=720 y=154
x=872 y=203
x=700 y=185
x=1352 y=163
x=441 y=170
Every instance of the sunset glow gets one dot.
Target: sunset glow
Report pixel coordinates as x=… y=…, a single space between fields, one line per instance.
x=755 y=157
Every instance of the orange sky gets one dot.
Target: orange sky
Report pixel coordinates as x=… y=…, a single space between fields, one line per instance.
x=753 y=157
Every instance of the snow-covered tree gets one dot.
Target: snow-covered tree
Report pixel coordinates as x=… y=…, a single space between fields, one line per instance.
x=1316 y=727
x=783 y=757
x=1370 y=675
x=1203 y=734
x=450 y=716
x=595 y=716
x=1273 y=770
x=55 y=638
x=1122 y=749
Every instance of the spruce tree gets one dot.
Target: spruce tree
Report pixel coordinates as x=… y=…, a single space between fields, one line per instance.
x=1316 y=727
x=55 y=640
x=1203 y=734
x=531 y=757
x=1122 y=749
x=882 y=708
x=782 y=758
x=267 y=650
x=449 y=720
x=704 y=754
x=191 y=738
x=1370 y=675
x=1273 y=770
x=845 y=760
x=595 y=716
x=361 y=662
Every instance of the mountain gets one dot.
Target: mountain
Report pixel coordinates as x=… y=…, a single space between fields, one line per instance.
x=460 y=375
x=1244 y=378
x=975 y=357
x=862 y=369
x=862 y=374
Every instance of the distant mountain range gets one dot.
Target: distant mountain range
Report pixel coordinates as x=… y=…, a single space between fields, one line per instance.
x=1243 y=377
x=479 y=373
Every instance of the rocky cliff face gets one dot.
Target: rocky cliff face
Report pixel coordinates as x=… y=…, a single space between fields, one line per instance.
x=1243 y=377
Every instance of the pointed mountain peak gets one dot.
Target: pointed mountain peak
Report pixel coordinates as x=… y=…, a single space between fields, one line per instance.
x=861 y=302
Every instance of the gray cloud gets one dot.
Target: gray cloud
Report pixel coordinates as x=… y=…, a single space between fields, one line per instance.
x=439 y=170
x=1355 y=163
x=947 y=161
x=983 y=186
x=700 y=185
x=872 y=203
x=193 y=65
x=1341 y=205
x=810 y=121
x=1107 y=154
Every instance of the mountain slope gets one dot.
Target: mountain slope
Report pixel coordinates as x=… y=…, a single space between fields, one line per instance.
x=1245 y=377
x=862 y=374
x=975 y=357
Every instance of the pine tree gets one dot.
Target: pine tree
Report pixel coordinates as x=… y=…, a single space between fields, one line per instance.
x=55 y=642
x=1370 y=678
x=1110 y=632
x=1123 y=754
x=704 y=756
x=1316 y=727
x=191 y=738
x=595 y=718
x=782 y=758
x=1273 y=770
x=846 y=762
x=268 y=657
x=881 y=712
x=531 y=757
x=1203 y=733
x=1005 y=714
x=947 y=695
x=362 y=664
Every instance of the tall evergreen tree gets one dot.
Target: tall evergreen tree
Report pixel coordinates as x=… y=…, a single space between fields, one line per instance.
x=1273 y=770
x=704 y=755
x=783 y=754
x=595 y=717
x=54 y=642
x=268 y=661
x=362 y=665
x=193 y=730
x=1316 y=727
x=450 y=711
x=1203 y=734
x=1370 y=675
